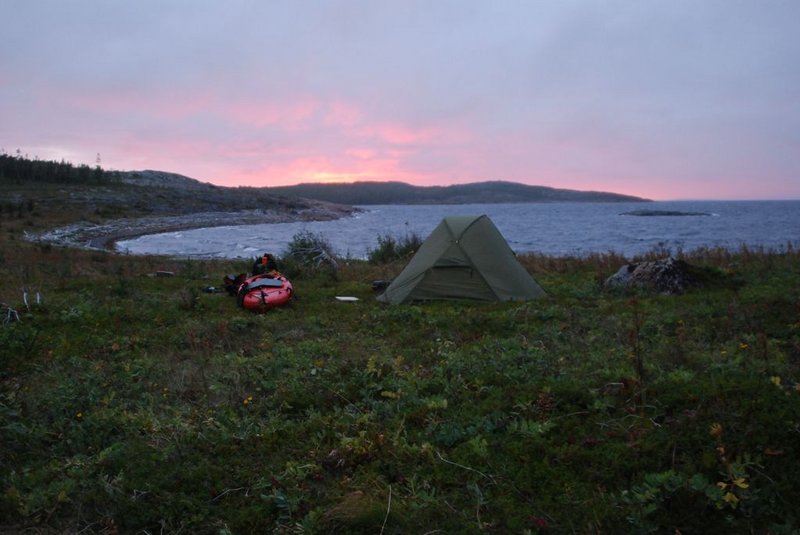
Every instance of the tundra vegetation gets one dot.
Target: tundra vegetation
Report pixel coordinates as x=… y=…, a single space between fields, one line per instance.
x=135 y=403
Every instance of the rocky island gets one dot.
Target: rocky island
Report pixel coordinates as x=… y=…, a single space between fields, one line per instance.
x=665 y=213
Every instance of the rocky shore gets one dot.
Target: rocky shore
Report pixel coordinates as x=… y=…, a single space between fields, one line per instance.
x=88 y=235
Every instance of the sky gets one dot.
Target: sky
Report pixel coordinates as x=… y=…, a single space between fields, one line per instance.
x=665 y=99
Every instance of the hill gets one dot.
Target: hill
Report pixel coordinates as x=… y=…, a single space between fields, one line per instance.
x=361 y=193
x=100 y=205
x=100 y=194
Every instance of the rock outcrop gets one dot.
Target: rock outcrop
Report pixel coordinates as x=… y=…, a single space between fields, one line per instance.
x=668 y=213
x=667 y=276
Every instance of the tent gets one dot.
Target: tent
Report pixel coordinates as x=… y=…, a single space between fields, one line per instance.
x=465 y=257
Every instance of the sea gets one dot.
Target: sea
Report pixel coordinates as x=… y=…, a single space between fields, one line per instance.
x=553 y=229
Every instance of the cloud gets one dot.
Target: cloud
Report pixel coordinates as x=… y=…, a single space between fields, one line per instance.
x=636 y=97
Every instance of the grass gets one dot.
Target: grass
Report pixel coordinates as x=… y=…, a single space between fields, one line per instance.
x=139 y=404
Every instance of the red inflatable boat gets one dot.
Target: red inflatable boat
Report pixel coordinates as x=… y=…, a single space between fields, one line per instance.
x=264 y=292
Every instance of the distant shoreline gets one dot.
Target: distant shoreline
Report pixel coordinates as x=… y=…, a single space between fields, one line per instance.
x=552 y=229
x=104 y=236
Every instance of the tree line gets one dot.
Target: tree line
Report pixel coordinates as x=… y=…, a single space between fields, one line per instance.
x=18 y=169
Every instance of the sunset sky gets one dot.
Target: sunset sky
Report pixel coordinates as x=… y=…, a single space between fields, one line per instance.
x=667 y=99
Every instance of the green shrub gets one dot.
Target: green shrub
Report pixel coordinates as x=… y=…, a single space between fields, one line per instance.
x=309 y=254
x=390 y=248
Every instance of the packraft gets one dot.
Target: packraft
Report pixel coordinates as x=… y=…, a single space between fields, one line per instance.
x=263 y=292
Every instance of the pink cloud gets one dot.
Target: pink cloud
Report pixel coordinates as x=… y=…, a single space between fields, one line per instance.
x=286 y=115
x=298 y=113
x=399 y=134
x=338 y=143
x=170 y=105
x=343 y=114
x=308 y=139
x=343 y=167
x=362 y=154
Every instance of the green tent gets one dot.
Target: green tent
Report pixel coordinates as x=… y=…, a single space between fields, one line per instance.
x=465 y=257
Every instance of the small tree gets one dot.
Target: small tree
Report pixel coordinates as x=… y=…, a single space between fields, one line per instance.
x=390 y=248
x=309 y=250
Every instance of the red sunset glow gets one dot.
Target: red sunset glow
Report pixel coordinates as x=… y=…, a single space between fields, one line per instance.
x=666 y=101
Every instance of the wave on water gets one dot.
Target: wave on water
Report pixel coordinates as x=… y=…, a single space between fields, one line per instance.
x=555 y=229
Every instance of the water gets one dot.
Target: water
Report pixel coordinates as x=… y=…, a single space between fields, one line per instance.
x=552 y=229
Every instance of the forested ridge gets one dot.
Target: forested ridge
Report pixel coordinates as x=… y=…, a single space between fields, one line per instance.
x=19 y=170
x=32 y=186
x=365 y=193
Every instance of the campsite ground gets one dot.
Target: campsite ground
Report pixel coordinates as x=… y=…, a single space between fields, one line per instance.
x=133 y=403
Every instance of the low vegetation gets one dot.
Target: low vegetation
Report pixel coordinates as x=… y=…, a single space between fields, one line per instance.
x=133 y=400
x=391 y=249
x=59 y=193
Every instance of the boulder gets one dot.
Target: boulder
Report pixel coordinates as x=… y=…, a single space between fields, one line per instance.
x=667 y=276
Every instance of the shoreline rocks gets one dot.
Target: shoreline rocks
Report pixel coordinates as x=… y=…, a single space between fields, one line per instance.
x=668 y=276
x=103 y=236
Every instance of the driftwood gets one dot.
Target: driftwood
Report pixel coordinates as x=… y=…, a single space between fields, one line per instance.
x=317 y=256
x=8 y=313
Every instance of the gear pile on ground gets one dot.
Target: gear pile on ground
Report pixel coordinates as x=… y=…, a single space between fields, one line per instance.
x=668 y=276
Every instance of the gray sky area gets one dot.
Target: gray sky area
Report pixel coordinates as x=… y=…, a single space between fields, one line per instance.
x=664 y=99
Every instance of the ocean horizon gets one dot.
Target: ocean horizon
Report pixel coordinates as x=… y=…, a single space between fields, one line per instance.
x=554 y=229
